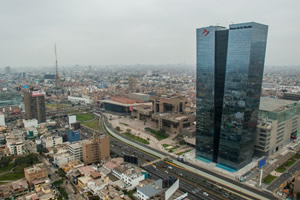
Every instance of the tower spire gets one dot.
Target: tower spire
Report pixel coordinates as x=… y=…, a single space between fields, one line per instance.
x=56 y=65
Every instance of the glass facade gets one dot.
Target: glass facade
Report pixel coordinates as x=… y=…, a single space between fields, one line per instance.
x=229 y=77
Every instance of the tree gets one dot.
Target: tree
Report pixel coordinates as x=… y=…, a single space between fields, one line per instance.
x=5 y=161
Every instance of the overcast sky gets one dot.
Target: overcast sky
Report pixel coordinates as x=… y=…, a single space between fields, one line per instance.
x=100 y=32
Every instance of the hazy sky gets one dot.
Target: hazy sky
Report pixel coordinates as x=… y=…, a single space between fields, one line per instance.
x=101 y=32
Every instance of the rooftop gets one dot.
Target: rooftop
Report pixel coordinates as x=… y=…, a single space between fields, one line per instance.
x=152 y=189
x=273 y=105
x=35 y=168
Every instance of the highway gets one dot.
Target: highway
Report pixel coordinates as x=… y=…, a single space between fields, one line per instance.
x=119 y=149
x=238 y=188
x=284 y=177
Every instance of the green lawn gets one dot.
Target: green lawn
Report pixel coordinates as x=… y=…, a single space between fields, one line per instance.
x=165 y=145
x=160 y=135
x=12 y=176
x=296 y=156
x=290 y=162
x=136 y=138
x=180 y=153
x=280 y=169
x=6 y=168
x=268 y=179
x=84 y=117
x=92 y=124
x=53 y=106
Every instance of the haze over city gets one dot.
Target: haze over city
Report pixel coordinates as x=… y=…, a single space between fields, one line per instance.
x=149 y=99
x=134 y=32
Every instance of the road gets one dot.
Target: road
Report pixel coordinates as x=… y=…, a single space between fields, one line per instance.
x=264 y=194
x=119 y=149
x=188 y=179
x=284 y=177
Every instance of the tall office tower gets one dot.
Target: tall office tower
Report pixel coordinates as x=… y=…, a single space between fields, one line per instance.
x=132 y=84
x=230 y=65
x=35 y=105
x=95 y=150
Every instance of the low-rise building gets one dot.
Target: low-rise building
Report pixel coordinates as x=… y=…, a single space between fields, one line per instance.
x=63 y=158
x=52 y=141
x=129 y=174
x=150 y=190
x=83 y=181
x=35 y=172
x=30 y=123
x=71 y=165
x=278 y=124
x=81 y=100
x=13 y=188
x=171 y=122
x=142 y=112
x=32 y=131
x=173 y=104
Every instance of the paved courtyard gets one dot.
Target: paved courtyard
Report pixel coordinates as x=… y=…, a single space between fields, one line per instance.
x=137 y=127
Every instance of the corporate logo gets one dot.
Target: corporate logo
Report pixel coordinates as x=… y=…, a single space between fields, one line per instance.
x=205 y=32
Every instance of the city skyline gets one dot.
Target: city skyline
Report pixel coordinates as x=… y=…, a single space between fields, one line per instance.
x=104 y=33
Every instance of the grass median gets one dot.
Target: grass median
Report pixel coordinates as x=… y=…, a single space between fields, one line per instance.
x=268 y=179
x=136 y=138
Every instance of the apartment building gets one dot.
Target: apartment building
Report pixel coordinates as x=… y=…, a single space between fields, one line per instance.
x=35 y=172
x=76 y=149
x=95 y=150
x=15 y=145
x=35 y=105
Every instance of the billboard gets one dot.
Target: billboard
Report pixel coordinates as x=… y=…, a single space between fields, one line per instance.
x=262 y=162
x=72 y=119
x=37 y=93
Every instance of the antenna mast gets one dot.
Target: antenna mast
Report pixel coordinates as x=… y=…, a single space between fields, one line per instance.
x=57 y=82
x=57 y=77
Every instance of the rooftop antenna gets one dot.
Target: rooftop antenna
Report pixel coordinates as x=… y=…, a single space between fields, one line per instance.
x=56 y=77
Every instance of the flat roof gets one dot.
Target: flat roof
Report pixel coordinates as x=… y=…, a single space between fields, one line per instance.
x=121 y=104
x=271 y=104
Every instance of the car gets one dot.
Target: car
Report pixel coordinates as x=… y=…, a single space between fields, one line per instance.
x=205 y=193
x=170 y=167
x=166 y=171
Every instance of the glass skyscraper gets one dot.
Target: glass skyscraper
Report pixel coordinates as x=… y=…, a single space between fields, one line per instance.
x=230 y=65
